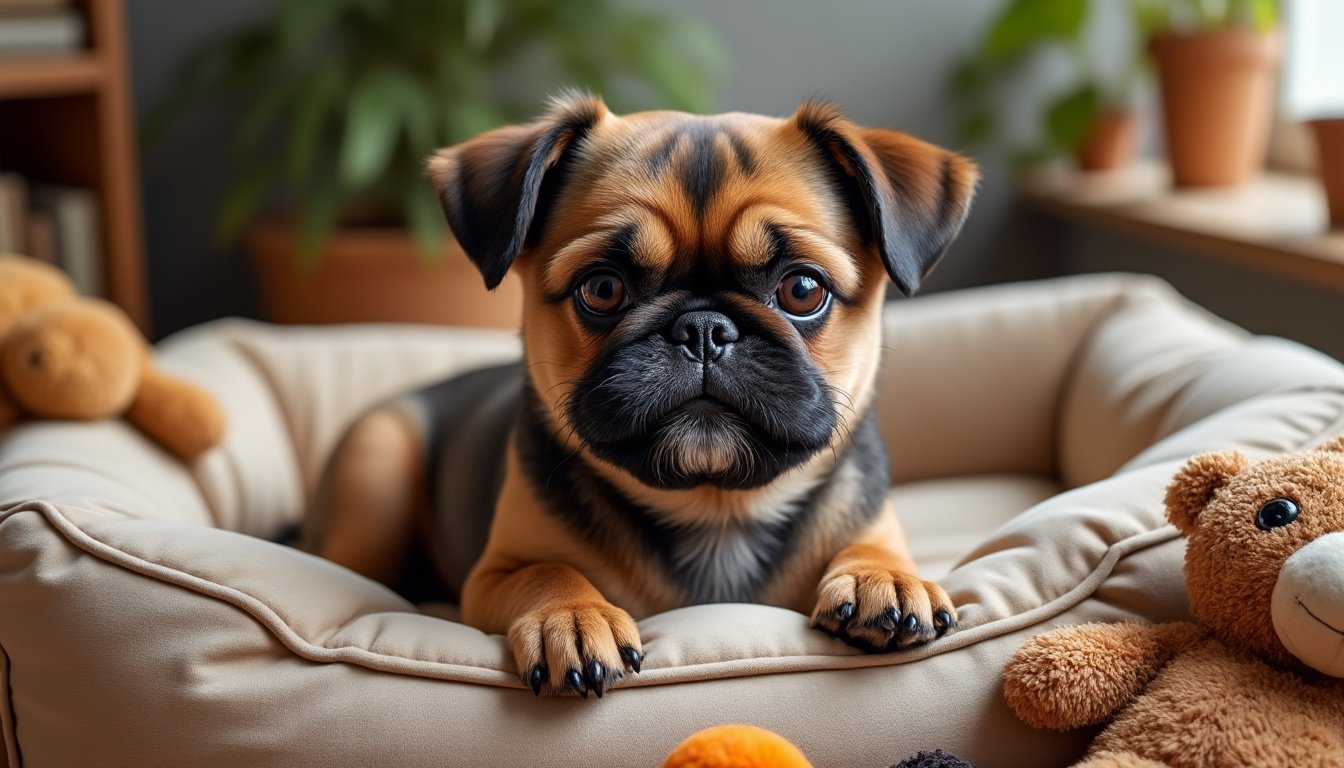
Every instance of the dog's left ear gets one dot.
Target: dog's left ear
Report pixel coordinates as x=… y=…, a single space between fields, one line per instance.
x=494 y=187
x=911 y=196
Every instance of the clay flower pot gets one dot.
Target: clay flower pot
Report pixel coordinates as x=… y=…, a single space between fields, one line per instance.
x=375 y=275
x=1217 y=102
x=1110 y=143
x=1330 y=162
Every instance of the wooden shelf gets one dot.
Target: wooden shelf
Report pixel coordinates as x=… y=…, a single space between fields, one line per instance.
x=1276 y=224
x=49 y=76
x=68 y=120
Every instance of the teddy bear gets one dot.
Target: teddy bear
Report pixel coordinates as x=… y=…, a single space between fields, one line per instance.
x=64 y=356
x=1258 y=678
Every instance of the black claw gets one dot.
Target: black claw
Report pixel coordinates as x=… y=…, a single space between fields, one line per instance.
x=535 y=678
x=632 y=657
x=889 y=619
x=942 y=621
x=574 y=682
x=844 y=612
x=596 y=679
x=910 y=624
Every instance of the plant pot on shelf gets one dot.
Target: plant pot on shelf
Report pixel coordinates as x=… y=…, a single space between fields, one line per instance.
x=1110 y=143
x=1330 y=165
x=1217 y=102
x=375 y=275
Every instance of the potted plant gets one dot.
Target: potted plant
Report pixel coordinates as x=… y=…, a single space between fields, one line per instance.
x=1217 y=62
x=1091 y=120
x=345 y=99
x=1329 y=134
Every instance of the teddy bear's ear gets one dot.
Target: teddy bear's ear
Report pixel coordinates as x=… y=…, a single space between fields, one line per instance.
x=1334 y=444
x=1193 y=487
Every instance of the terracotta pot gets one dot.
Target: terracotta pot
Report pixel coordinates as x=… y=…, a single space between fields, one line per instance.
x=1110 y=143
x=1330 y=165
x=376 y=275
x=1217 y=102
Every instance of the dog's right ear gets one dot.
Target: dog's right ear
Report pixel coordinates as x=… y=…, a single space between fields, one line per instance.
x=491 y=186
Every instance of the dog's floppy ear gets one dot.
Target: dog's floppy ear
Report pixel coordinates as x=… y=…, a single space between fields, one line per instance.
x=911 y=196
x=491 y=187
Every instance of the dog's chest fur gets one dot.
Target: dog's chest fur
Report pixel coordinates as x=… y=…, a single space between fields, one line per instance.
x=708 y=558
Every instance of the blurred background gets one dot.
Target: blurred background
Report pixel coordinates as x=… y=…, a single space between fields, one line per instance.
x=194 y=160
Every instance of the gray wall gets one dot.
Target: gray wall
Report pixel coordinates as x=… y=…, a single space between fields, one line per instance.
x=885 y=62
x=186 y=175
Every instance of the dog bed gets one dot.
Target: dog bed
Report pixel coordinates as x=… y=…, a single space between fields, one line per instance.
x=146 y=619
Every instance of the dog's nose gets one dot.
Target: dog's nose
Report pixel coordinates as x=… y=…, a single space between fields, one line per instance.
x=704 y=335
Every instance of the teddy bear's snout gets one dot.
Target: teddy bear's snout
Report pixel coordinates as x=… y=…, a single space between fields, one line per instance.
x=1308 y=604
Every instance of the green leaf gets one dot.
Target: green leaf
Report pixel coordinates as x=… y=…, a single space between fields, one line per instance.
x=415 y=106
x=1070 y=118
x=1026 y=158
x=242 y=203
x=969 y=76
x=312 y=110
x=1264 y=14
x=978 y=128
x=483 y=18
x=370 y=130
x=1026 y=23
x=426 y=220
x=319 y=218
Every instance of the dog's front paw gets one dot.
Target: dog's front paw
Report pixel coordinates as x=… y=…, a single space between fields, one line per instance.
x=879 y=609
x=575 y=647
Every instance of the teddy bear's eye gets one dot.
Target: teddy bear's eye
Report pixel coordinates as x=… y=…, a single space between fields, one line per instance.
x=1276 y=514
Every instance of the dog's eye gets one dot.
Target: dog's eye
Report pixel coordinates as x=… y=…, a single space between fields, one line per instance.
x=801 y=294
x=1276 y=514
x=602 y=293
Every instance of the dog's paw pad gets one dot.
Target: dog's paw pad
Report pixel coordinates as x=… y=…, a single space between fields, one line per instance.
x=879 y=609
x=575 y=648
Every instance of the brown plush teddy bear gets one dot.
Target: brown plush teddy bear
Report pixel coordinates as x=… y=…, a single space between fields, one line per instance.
x=1259 y=681
x=63 y=356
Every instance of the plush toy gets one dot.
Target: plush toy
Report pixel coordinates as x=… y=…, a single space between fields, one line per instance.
x=1258 y=680
x=935 y=759
x=746 y=746
x=63 y=356
x=736 y=746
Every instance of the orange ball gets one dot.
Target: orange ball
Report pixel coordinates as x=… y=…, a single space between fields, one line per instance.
x=736 y=746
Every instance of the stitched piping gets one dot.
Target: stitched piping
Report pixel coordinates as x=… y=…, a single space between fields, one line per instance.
x=742 y=667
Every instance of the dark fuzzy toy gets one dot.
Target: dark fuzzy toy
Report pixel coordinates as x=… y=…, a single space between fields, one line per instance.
x=935 y=759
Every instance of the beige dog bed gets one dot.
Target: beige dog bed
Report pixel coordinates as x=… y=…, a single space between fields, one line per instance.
x=145 y=619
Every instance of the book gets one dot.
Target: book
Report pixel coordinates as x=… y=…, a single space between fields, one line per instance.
x=43 y=243
x=78 y=233
x=41 y=33
x=13 y=213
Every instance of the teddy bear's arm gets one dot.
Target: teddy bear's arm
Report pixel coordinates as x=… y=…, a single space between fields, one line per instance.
x=178 y=414
x=1077 y=676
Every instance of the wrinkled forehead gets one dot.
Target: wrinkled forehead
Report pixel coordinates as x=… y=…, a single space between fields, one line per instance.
x=682 y=192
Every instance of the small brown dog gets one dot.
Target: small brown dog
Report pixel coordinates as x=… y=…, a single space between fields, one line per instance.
x=694 y=422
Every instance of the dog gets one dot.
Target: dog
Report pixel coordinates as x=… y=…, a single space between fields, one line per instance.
x=693 y=420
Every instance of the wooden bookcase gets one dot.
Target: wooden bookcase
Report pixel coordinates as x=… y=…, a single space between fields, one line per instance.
x=69 y=120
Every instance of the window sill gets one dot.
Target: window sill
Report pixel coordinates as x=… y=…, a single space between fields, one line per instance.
x=1276 y=224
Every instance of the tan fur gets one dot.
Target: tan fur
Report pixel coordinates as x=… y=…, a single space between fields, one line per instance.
x=368 y=497
x=1221 y=692
x=63 y=356
x=552 y=591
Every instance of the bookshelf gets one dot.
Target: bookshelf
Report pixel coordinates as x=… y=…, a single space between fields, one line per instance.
x=68 y=119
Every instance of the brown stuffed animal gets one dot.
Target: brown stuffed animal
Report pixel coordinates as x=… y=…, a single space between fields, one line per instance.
x=1259 y=681
x=63 y=356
